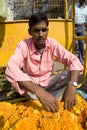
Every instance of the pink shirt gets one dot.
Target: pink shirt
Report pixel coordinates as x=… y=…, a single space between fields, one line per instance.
x=26 y=64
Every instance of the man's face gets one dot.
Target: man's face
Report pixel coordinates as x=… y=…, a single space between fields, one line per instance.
x=39 y=34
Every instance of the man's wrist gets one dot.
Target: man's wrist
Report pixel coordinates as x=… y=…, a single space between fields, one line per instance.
x=73 y=83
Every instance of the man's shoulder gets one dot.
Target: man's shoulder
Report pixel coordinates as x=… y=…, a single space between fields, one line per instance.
x=52 y=42
x=25 y=42
x=49 y=39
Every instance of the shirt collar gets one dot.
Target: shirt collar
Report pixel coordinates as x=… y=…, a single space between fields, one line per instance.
x=33 y=49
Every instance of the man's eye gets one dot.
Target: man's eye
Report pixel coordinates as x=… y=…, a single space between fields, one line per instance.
x=38 y=30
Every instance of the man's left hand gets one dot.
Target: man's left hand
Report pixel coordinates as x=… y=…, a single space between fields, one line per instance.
x=69 y=97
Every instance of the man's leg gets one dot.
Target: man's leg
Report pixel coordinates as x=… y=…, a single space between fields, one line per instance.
x=58 y=83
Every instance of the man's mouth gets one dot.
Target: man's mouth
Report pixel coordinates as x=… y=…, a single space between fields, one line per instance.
x=40 y=39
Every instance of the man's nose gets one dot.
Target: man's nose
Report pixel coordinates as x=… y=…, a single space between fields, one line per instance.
x=40 y=33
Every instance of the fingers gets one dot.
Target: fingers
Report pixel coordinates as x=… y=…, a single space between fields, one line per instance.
x=69 y=104
x=69 y=100
x=53 y=108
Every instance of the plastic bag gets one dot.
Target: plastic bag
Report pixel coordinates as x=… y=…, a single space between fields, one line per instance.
x=82 y=93
x=3 y=9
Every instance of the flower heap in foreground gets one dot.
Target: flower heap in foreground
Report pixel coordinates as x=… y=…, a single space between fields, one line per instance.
x=31 y=115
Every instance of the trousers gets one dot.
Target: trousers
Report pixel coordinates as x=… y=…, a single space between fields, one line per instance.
x=56 y=86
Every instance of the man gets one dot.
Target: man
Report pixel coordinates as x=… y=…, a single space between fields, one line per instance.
x=80 y=24
x=30 y=68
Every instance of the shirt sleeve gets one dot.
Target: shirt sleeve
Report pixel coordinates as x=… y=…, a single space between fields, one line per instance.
x=67 y=58
x=14 y=71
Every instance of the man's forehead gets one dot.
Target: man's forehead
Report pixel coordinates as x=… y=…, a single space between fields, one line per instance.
x=40 y=24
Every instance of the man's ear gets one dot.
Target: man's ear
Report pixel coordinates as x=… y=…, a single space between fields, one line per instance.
x=29 y=31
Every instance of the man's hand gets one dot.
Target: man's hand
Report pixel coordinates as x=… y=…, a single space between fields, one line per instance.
x=69 y=97
x=48 y=100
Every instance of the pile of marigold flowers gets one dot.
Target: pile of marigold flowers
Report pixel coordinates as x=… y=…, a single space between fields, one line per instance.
x=31 y=115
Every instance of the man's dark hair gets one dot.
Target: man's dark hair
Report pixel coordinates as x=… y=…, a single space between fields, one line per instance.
x=37 y=18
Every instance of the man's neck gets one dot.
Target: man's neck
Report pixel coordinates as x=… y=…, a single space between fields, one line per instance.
x=40 y=50
x=39 y=47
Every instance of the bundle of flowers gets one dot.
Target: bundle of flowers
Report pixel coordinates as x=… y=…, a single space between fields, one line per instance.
x=31 y=115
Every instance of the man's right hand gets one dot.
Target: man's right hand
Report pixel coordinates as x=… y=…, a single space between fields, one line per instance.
x=48 y=100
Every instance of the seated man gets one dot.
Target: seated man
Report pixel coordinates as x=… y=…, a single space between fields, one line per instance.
x=30 y=68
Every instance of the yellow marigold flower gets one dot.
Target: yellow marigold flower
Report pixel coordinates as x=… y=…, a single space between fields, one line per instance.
x=36 y=111
x=6 y=126
x=7 y=109
x=2 y=121
x=26 y=124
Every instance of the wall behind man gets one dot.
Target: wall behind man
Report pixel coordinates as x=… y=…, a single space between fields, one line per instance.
x=18 y=30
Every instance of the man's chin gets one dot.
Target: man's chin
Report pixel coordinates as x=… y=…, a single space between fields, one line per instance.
x=42 y=45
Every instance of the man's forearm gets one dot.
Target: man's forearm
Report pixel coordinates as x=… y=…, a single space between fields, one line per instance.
x=74 y=75
x=30 y=86
x=69 y=95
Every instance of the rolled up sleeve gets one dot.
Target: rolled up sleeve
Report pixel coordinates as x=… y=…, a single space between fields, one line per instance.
x=67 y=58
x=14 y=70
